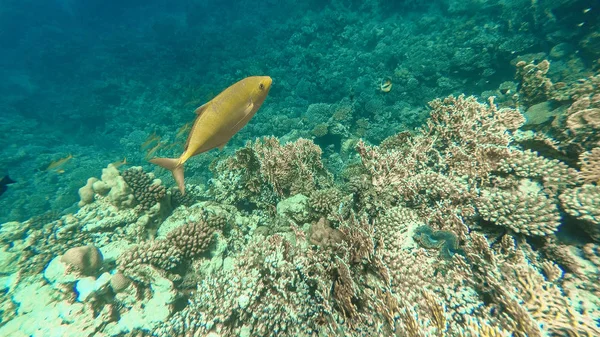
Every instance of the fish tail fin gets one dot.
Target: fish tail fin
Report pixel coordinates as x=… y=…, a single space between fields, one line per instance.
x=175 y=166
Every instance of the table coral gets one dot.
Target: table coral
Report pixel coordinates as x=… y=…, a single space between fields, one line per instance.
x=530 y=213
x=584 y=204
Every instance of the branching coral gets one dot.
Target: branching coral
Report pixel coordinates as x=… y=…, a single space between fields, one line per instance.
x=179 y=247
x=269 y=170
x=532 y=306
x=535 y=86
x=530 y=213
x=590 y=166
x=584 y=204
x=529 y=164
x=463 y=137
x=146 y=190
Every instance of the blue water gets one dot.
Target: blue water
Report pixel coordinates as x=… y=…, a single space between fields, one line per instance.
x=308 y=232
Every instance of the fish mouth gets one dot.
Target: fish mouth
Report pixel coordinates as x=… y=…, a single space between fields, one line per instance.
x=268 y=82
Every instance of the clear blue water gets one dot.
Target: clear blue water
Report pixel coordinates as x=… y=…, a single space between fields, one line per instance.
x=308 y=232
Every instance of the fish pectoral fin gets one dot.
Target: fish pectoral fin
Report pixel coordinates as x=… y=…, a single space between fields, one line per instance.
x=246 y=112
x=248 y=108
x=201 y=109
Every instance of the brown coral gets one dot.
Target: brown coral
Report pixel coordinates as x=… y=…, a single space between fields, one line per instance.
x=146 y=190
x=535 y=87
x=584 y=204
x=530 y=213
x=86 y=259
x=590 y=166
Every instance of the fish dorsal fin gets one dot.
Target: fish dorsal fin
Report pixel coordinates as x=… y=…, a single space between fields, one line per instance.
x=201 y=109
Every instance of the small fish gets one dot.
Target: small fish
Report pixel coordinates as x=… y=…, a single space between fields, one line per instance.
x=182 y=130
x=218 y=120
x=150 y=140
x=386 y=85
x=580 y=24
x=5 y=181
x=587 y=10
x=151 y=151
x=119 y=163
x=58 y=164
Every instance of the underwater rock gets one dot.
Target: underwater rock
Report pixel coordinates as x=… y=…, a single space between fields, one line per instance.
x=57 y=273
x=145 y=313
x=89 y=286
x=42 y=313
x=111 y=185
x=561 y=50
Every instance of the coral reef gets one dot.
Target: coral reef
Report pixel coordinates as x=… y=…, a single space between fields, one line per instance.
x=349 y=211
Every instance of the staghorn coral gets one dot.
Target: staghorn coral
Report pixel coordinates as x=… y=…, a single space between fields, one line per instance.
x=257 y=300
x=463 y=137
x=531 y=306
x=280 y=288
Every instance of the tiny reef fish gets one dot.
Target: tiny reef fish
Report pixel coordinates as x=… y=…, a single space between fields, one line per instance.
x=58 y=164
x=120 y=163
x=218 y=120
x=153 y=149
x=182 y=130
x=5 y=181
x=151 y=139
x=385 y=85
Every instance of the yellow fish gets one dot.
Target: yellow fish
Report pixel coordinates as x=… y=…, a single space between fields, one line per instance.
x=182 y=130
x=119 y=163
x=152 y=150
x=151 y=139
x=218 y=120
x=57 y=164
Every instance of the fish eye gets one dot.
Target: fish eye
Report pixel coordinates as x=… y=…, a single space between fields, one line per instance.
x=261 y=86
